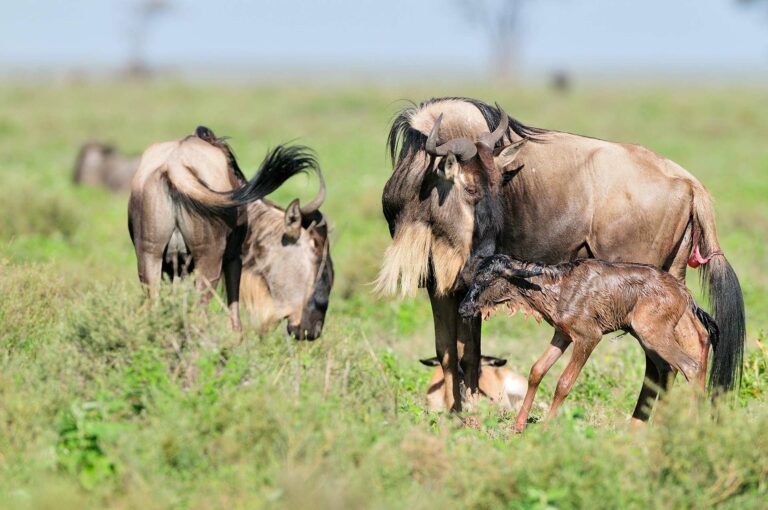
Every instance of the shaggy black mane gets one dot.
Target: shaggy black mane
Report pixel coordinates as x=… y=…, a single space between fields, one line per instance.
x=410 y=140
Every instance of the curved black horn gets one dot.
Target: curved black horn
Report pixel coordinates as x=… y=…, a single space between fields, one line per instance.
x=490 y=139
x=431 y=145
x=463 y=148
x=316 y=202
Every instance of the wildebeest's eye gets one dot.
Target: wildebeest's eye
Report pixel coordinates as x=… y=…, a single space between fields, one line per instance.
x=471 y=190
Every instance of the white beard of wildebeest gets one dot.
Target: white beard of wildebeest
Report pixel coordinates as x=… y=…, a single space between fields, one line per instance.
x=420 y=243
x=454 y=222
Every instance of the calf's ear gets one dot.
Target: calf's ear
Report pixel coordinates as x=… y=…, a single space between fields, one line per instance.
x=509 y=153
x=293 y=221
x=430 y=362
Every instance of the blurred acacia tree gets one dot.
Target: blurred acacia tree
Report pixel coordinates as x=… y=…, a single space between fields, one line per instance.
x=753 y=2
x=144 y=14
x=500 y=21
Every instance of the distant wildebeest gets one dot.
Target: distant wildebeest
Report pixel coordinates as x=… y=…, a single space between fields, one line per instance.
x=586 y=299
x=191 y=210
x=458 y=194
x=499 y=384
x=100 y=164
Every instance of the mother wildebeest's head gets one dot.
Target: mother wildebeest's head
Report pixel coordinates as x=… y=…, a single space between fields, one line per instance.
x=442 y=202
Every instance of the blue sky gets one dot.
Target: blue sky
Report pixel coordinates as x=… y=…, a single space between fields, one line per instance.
x=578 y=35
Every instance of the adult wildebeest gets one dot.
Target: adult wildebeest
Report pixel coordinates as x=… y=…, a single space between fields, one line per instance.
x=99 y=164
x=191 y=209
x=499 y=384
x=287 y=266
x=587 y=298
x=463 y=193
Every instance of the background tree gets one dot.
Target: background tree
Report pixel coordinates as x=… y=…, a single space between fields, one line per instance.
x=754 y=3
x=500 y=21
x=145 y=12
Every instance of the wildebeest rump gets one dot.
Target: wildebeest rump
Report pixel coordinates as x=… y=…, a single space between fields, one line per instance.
x=186 y=210
x=100 y=164
x=587 y=298
x=539 y=195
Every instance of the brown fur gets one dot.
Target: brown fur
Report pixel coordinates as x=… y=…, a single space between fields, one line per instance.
x=268 y=256
x=191 y=209
x=200 y=173
x=258 y=301
x=562 y=196
x=586 y=299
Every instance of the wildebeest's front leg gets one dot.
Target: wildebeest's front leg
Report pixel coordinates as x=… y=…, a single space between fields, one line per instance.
x=557 y=347
x=468 y=340
x=445 y=316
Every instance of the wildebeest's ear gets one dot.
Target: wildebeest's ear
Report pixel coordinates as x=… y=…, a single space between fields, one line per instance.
x=293 y=220
x=430 y=362
x=493 y=362
x=509 y=153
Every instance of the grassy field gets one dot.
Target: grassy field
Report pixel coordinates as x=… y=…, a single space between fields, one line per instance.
x=105 y=402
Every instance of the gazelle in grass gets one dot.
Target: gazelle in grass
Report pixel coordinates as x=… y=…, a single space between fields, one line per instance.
x=497 y=383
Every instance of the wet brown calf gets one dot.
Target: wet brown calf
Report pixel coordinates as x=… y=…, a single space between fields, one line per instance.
x=587 y=298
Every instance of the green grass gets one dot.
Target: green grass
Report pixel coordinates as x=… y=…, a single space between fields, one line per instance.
x=108 y=402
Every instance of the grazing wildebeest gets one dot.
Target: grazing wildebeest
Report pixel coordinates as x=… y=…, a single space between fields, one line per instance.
x=587 y=298
x=291 y=241
x=99 y=164
x=186 y=212
x=499 y=384
x=460 y=195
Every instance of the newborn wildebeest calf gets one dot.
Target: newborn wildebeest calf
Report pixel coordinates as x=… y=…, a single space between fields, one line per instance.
x=587 y=298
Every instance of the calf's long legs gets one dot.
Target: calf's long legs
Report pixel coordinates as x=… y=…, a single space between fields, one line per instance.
x=558 y=345
x=582 y=348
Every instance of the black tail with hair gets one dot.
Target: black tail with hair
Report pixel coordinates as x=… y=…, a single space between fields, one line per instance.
x=224 y=213
x=727 y=305
x=280 y=164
